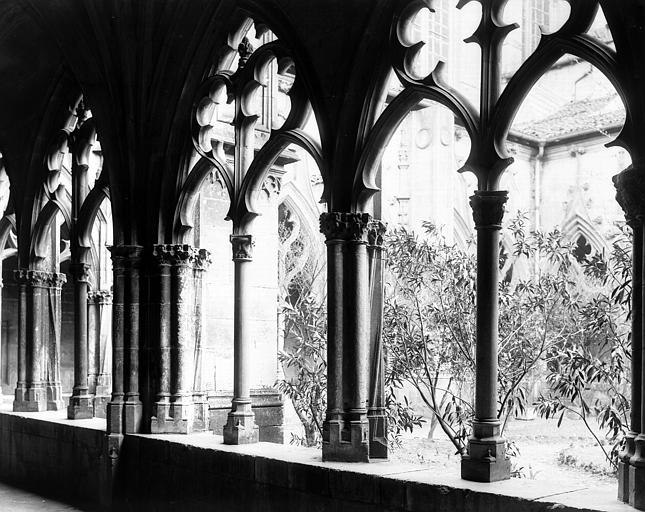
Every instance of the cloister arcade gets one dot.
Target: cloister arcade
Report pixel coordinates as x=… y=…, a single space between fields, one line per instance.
x=114 y=116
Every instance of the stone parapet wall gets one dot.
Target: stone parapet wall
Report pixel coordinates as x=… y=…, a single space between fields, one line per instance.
x=66 y=459
x=61 y=458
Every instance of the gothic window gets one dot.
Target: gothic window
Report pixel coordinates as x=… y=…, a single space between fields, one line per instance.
x=582 y=249
x=439 y=30
x=537 y=15
x=404 y=211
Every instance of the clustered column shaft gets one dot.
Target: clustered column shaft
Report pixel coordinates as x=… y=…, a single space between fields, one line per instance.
x=200 y=398
x=124 y=411
x=240 y=426
x=99 y=312
x=346 y=426
x=174 y=408
x=39 y=387
x=99 y=326
x=81 y=403
x=486 y=460
x=630 y=187
x=376 y=410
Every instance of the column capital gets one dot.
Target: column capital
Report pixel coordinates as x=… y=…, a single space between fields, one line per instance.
x=100 y=296
x=488 y=208
x=125 y=255
x=375 y=232
x=202 y=259
x=345 y=226
x=242 y=247
x=630 y=193
x=39 y=278
x=80 y=271
x=174 y=254
x=20 y=276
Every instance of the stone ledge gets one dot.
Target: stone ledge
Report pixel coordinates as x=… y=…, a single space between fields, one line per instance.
x=199 y=471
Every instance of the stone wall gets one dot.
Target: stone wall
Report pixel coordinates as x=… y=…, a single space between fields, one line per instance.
x=62 y=459
x=69 y=459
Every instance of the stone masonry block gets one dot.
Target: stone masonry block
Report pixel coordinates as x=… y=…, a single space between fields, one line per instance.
x=309 y=479
x=272 y=472
x=347 y=485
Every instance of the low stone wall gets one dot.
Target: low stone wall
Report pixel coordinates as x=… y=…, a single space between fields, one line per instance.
x=56 y=457
x=175 y=472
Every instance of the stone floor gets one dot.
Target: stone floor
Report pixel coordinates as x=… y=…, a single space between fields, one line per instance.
x=13 y=499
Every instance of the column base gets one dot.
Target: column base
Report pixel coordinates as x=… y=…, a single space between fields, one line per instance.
x=114 y=417
x=55 y=401
x=348 y=444
x=81 y=407
x=637 y=487
x=378 y=436
x=240 y=428
x=623 y=481
x=201 y=414
x=172 y=418
x=100 y=405
x=30 y=399
x=486 y=460
x=482 y=470
x=132 y=415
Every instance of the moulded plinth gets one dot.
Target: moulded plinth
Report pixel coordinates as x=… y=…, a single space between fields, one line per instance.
x=349 y=445
x=241 y=429
x=80 y=407
x=485 y=470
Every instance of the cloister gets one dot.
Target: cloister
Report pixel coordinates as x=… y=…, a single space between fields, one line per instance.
x=114 y=114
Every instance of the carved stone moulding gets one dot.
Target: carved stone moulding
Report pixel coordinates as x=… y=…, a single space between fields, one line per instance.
x=80 y=271
x=488 y=208
x=99 y=296
x=125 y=256
x=174 y=254
x=202 y=259
x=40 y=278
x=345 y=226
x=242 y=247
x=630 y=193
x=375 y=232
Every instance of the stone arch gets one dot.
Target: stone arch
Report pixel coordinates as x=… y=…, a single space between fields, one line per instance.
x=89 y=210
x=185 y=208
x=57 y=204
x=577 y=225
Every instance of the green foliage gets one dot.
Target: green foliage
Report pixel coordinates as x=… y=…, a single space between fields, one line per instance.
x=554 y=313
x=588 y=373
x=305 y=364
x=558 y=317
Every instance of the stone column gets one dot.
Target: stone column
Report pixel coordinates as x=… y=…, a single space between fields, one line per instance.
x=376 y=409
x=182 y=338
x=174 y=410
x=486 y=460
x=356 y=295
x=200 y=398
x=161 y=407
x=103 y=348
x=92 y=341
x=36 y=399
x=81 y=403
x=630 y=194
x=124 y=411
x=334 y=229
x=52 y=317
x=20 y=396
x=38 y=387
x=348 y=336
x=240 y=427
